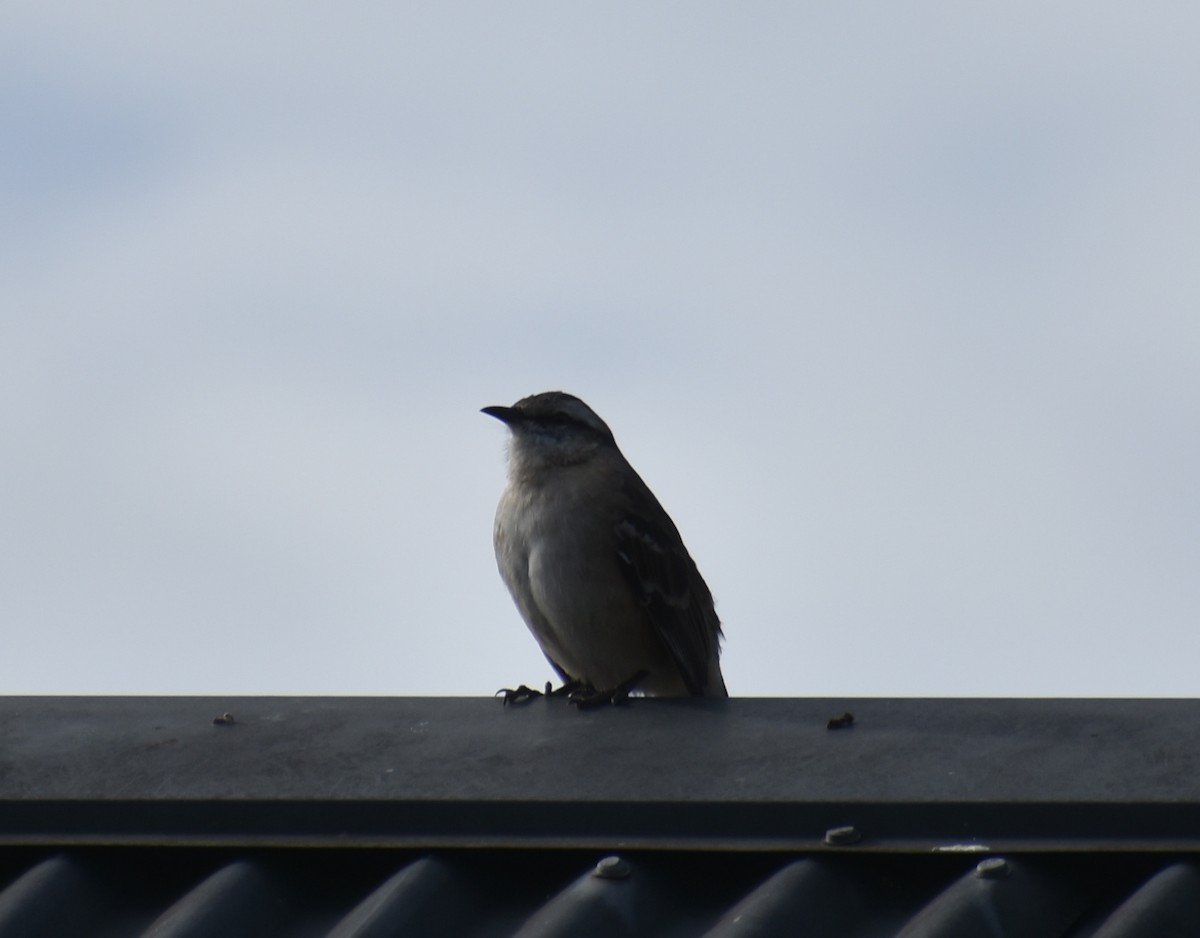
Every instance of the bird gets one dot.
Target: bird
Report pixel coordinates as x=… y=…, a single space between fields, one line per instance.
x=595 y=565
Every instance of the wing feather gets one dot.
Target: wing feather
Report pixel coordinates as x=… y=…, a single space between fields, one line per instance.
x=669 y=586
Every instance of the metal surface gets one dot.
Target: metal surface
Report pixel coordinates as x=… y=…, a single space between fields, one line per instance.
x=760 y=774
x=161 y=892
x=355 y=818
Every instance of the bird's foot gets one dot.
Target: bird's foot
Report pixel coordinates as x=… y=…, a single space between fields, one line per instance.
x=587 y=697
x=524 y=693
x=520 y=694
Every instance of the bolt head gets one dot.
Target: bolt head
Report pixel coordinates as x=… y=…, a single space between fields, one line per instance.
x=612 y=868
x=842 y=836
x=993 y=868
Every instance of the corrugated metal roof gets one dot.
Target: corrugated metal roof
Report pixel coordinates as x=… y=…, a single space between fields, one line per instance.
x=197 y=892
x=400 y=816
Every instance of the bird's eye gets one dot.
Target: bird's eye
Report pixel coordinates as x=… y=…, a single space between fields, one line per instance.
x=566 y=426
x=558 y=421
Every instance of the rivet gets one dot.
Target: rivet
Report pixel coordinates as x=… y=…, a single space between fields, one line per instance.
x=842 y=836
x=612 y=868
x=993 y=868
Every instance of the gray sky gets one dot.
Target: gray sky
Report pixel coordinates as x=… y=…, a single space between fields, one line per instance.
x=895 y=307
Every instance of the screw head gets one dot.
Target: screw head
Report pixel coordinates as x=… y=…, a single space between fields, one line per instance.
x=842 y=836
x=612 y=868
x=993 y=868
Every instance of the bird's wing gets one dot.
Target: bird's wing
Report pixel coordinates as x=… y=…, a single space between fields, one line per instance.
x=669 y=586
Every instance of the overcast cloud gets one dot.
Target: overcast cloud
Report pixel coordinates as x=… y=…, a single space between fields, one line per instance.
x=895 y=307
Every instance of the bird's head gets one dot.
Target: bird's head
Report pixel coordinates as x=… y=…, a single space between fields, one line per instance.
x=551 y=429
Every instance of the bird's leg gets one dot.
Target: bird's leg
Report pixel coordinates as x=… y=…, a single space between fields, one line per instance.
x=587 y=697
x=568 y=688
x=620 y=693
x=519 y=695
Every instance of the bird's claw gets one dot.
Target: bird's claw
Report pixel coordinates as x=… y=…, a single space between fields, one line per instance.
x=587 y=697
x=579 y=694
x=519 y=695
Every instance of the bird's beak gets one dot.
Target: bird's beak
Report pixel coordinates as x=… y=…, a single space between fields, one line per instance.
x=506 y=415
